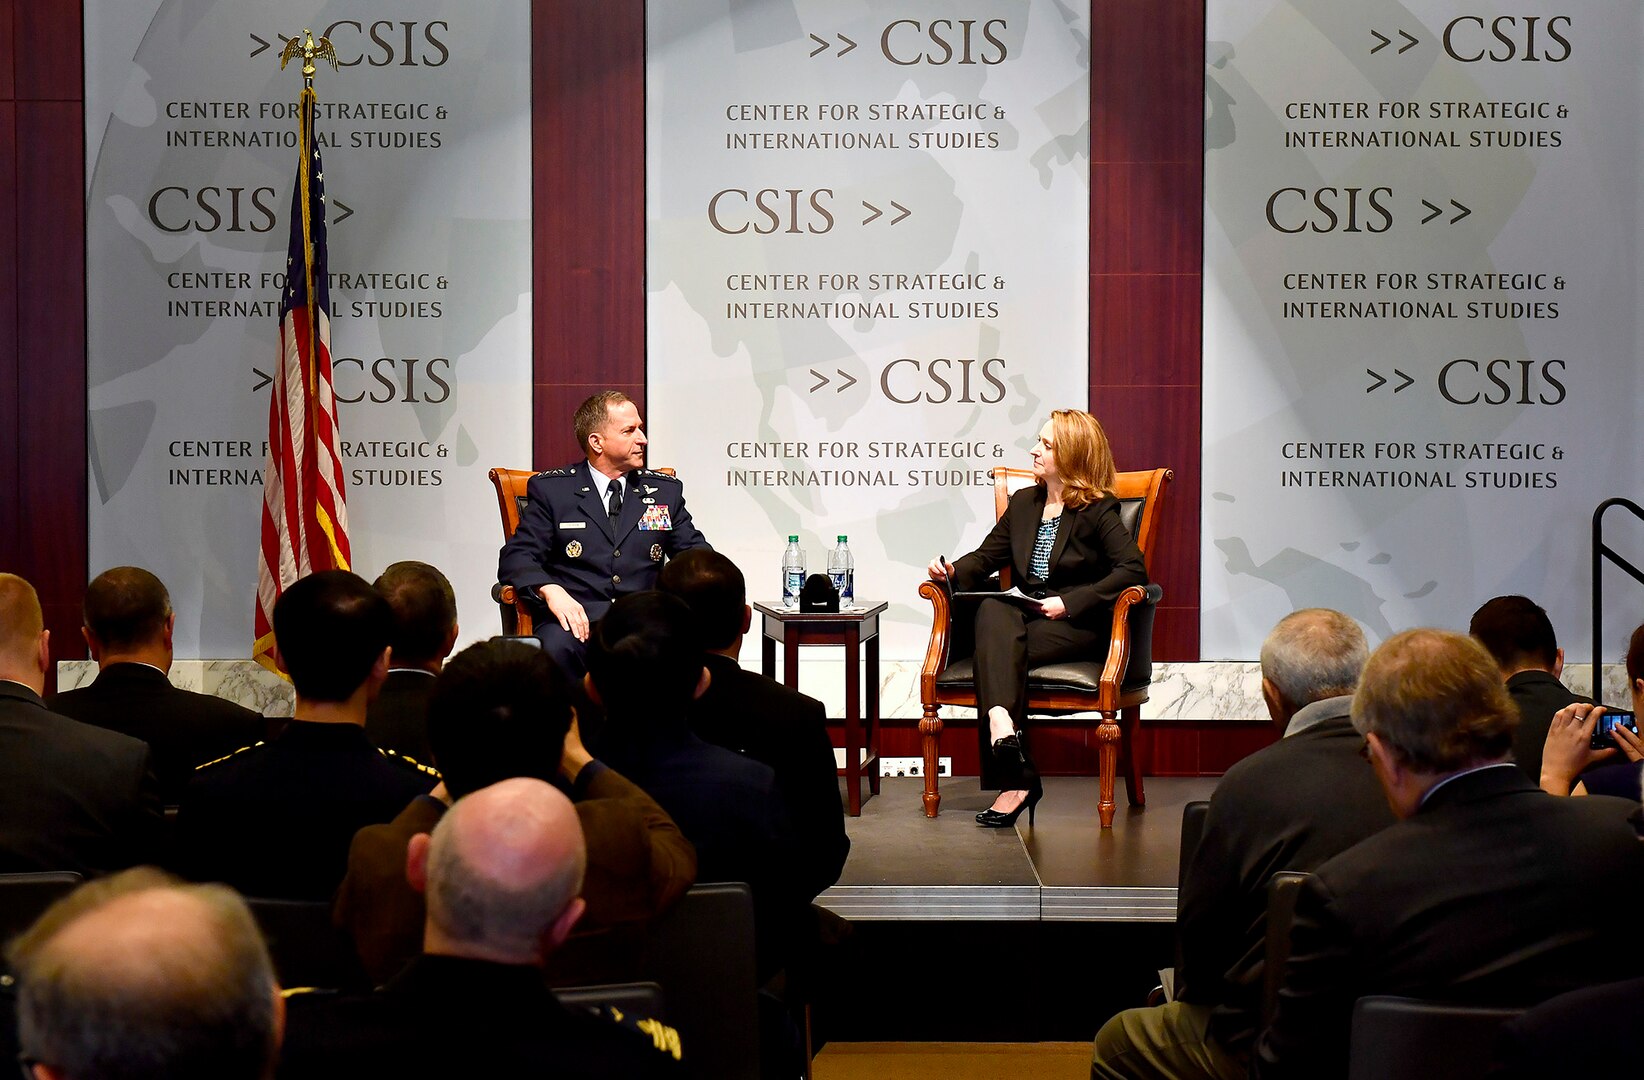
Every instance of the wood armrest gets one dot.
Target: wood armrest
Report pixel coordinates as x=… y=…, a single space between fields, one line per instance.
x=941 y=633
x=1118 y=649
x=506 y=594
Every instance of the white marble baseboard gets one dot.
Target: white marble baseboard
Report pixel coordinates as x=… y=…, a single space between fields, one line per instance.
x=1203 y=691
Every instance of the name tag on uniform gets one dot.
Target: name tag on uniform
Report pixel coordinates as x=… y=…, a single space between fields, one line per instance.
x=656 y=519
x=573 y=524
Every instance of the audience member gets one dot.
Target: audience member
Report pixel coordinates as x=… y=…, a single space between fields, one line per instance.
x=1519 y=635
x=501 y=874
x=128 y=629
x=501 y=709
x=275 y=820
x=1569 y=754
x=1486 y=891
x=139 y=977
x=760 y=718
x=72 y=796
x=425 y=630
x=645 y=668
x=1288 y=807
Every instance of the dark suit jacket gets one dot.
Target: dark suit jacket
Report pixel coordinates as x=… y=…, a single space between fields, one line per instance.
x=1093 y=560
x=764 y=720
x=1289 y=806
x=275 y=820
x=72 y=796
x=639 y=864
x=398 y=719
x=565 y=537
x=450 y=1017
x=1538 y=695
x=728 y=806
x=1492 y=893
x=182 y=728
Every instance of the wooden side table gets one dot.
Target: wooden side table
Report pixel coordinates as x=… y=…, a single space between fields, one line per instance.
x=852 y=629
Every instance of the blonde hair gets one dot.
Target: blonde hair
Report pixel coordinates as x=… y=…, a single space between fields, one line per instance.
x=1436 y=697
x=1083 y=457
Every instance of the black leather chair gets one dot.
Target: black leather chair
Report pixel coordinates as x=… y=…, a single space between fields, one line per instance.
x=307 y=949
x=1193 y=815
x=1282 y=889
x=23 y=897
x=702 y=954
x=1397 y=1038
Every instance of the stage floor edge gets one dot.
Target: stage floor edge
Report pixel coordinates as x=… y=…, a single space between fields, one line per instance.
x=1063 y=868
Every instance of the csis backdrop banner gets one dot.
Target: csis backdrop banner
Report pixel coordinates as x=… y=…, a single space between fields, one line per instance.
x=868 y=270
x=191 y=153
x=1421 y=364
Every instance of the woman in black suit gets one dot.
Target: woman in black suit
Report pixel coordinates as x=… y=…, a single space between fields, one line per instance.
x=1068 y=549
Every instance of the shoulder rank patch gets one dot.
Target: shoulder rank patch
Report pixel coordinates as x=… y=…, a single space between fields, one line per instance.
x=408 y=760
x=225 y=757
x=654 y=475
x=555 y=472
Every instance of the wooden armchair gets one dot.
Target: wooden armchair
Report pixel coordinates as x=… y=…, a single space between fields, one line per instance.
x=1113 y=687
x=511 y=496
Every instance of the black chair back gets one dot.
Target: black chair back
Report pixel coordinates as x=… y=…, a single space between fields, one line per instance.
x=1282 y=889
x=1417 y=1040
x=307 y=949
x=1193 y=815
x=640 y=1000
x=23 y=897
x=702 y=953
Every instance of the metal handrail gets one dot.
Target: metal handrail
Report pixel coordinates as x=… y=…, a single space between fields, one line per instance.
x=1601 y=552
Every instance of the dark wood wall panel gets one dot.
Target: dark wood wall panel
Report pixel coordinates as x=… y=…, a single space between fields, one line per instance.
x=588 y=162
x=11 y=525
x=44 y=371
x=51 y=347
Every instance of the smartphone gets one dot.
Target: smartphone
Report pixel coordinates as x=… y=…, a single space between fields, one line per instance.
x=1608 y=721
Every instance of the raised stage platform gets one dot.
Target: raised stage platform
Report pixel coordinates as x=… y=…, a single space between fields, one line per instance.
x=1011 y=935
x=904 y=865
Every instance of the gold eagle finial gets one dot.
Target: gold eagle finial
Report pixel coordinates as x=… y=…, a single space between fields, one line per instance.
x=309 y=50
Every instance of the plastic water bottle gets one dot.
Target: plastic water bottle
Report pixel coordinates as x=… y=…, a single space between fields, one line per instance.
x=793 y=573
x=842 y=572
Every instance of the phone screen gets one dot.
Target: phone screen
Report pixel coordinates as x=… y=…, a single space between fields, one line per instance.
x=1608 y=721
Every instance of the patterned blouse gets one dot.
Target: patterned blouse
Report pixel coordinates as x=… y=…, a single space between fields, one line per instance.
x=1039 y=565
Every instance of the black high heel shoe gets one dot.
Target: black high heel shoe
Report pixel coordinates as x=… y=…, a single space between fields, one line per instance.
x=994 y=819
x=1008 y=750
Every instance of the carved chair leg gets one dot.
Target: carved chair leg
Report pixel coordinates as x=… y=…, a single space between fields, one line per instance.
x=1107 y=752
x=1130 y=753
x=930 y=728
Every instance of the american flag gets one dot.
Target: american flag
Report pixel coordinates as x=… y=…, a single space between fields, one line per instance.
x=305 y=515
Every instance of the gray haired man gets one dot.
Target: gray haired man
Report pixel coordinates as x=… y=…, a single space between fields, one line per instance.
x=1288 y=807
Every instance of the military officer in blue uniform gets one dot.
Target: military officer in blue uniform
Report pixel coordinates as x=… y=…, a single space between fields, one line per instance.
x=596 y=530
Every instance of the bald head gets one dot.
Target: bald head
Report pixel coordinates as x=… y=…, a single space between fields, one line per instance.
x=22 y=633
x=139 y=978
x=504 y=870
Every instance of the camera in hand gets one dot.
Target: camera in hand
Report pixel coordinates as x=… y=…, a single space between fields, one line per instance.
x=1608 y=721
